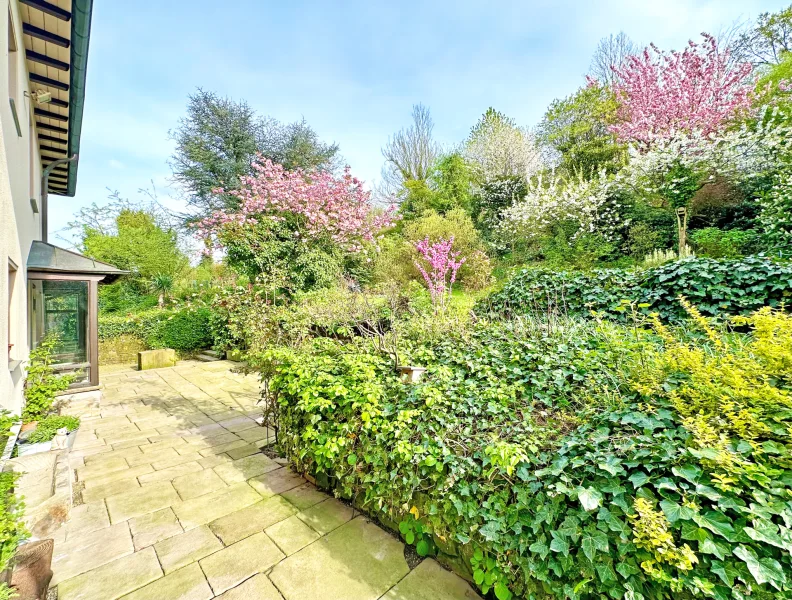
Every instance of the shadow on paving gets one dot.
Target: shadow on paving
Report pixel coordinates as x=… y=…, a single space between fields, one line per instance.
x=177 y=501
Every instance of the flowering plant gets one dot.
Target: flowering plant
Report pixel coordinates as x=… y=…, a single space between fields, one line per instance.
x=669 y=165
x=548 y=200
x=443 y=264
x=322 y=206
x=664 y=93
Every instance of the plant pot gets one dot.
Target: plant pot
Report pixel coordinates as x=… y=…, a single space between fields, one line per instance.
x=28 y=426
x=33 y=569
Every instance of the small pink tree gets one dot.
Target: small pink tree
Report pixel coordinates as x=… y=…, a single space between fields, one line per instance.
x=443 y=265
x=323 y=206
x=661 y=93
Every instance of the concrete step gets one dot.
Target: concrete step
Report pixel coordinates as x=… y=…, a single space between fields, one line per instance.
x=214 y=353
x=207 y=357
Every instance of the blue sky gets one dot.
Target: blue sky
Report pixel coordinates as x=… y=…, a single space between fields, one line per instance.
x=353 y=69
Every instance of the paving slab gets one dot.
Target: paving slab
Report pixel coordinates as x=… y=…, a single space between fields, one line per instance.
x=357 y=561
x=430 y=581
x=171 y=472
x=326 y=516
x=246 y=468
x=305 y=496
x=257 y=587
x=141 y=501
x=197 y=484
x=110 y=488
x=234 y=564
x=113 y=580
x=276 y=482
x=185 y=548
x=187 y=583
x=153 y=527
x=291 y=535
x=207 y=508
x=127 y=473
x=86 y=518
x=81 y=553
x=252 y=519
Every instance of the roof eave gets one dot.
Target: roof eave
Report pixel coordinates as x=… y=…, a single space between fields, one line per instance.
x=80 y=37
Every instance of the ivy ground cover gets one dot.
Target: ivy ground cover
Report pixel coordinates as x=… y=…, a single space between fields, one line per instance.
x=572 y=460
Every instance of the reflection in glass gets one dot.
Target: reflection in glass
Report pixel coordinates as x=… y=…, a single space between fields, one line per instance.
x=60 y=307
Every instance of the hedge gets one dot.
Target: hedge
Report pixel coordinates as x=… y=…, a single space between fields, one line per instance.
x=716 y=287
x=583 y=463
x=185 y=329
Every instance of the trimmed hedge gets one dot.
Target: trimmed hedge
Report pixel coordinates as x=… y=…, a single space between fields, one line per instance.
x=186 y=329
x=716 y=287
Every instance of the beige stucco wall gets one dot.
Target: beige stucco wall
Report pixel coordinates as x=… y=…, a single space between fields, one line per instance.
x=19 y=182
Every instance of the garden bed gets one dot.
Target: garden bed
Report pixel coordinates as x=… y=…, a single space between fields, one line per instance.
x=574 y=461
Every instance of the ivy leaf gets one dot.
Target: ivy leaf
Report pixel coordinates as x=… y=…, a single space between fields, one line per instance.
x=540 y=548
x=352 y=459
x=726 y=572
x=716 y=522
x=593 y=541
x=764 y=570
x=766 y=532
x=689 y=472
x=638 y=479
x=589 y=497
x=491 y=531
x=675 y=512
x=559 y=544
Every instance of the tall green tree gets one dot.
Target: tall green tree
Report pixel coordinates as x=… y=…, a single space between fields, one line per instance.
x=135 y=243
x=576 y=130
x=766 y=42
x=219 y=139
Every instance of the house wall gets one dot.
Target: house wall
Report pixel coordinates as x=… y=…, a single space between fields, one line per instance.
x=20 y=180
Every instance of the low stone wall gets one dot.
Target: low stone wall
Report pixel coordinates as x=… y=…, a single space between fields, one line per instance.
x=156 y=359
x=120 y=350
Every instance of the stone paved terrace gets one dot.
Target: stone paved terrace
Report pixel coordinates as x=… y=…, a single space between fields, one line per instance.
x=180 y=504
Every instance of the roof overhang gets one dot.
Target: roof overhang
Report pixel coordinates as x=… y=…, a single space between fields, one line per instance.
x=46 y=258
x=55 y=35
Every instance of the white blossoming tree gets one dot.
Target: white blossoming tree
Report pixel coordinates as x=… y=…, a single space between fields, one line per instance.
x=675 y=168
x=551 y=199
x=497 y=149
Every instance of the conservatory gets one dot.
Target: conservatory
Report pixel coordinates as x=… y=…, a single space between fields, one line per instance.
x=63 y=301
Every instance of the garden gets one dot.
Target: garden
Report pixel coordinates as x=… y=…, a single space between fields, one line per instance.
x=558 y=359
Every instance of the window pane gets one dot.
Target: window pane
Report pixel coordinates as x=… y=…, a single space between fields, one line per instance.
x=60 y=308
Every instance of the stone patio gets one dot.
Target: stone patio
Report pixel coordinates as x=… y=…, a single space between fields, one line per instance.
x=179 y=503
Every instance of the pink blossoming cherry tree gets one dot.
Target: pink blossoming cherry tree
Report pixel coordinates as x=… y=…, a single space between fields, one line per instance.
x=665 y=93
x=438 y=266
x=326 y=207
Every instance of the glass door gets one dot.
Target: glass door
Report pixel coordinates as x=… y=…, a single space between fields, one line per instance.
x=60 y=308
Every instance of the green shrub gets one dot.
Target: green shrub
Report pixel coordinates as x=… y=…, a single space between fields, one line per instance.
x=395 y=261
x=567 y=461
x=41 y=383
x=48 y=427
x=184 y=329
x=718 y=243
x=717 y=287
x=12 y=529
